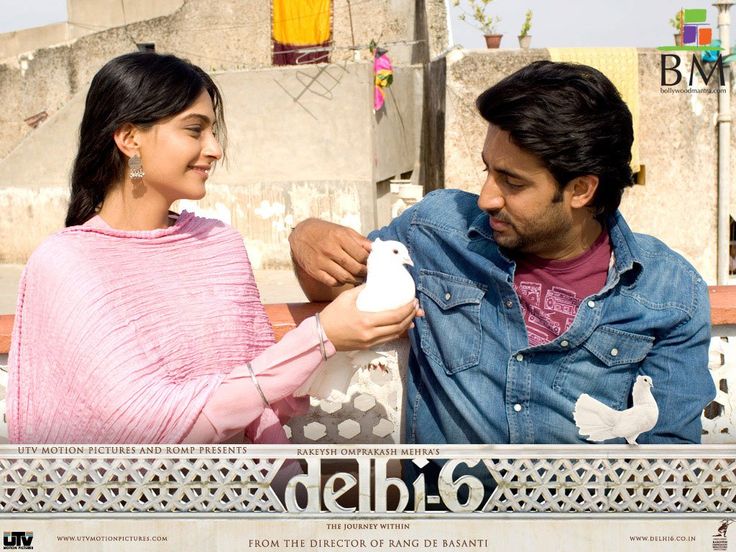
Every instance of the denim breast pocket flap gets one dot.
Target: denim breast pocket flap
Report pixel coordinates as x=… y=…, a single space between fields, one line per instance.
x=450 y=333
x=616 y=347
x=450 y=291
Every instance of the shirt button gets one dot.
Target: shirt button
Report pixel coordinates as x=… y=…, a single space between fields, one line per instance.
x=509 y=304
x=614 y=352
x=591 y=304
x=517 y=407
x=447 y=296
x=519 y=357
x=564 y=343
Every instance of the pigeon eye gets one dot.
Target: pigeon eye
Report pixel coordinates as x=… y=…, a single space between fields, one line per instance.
x=396 y=251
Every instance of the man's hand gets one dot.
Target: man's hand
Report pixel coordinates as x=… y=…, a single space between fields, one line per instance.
x=328 y=253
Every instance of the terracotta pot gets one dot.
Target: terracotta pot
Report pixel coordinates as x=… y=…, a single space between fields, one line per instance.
x=678 y=39
x=525 y=41
x=494 y=40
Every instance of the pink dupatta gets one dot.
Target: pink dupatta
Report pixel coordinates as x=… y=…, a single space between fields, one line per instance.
x=122 y=336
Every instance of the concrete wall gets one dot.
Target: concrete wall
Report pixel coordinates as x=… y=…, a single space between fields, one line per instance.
x=302 y=142
x=678 y=146
x=97 y=15
x=27 y=40
x=84 y=17
x=219 y=35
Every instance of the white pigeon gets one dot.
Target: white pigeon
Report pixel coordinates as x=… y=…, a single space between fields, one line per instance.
x=387 y=287
x=600 y=422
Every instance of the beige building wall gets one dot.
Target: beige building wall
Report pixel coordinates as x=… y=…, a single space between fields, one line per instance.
x=15 y=43
x=302 y=141
x=678 y=146
x=96 y=15
x=84 y=17
x=219 y=35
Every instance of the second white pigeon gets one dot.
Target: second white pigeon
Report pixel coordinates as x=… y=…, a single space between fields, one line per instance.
x=389 y=285
x=600 y=422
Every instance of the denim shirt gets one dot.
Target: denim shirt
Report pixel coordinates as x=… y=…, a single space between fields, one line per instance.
x=473 y=378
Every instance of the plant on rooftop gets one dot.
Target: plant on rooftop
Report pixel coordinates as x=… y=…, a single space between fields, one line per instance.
x=525 y=38
x=527 y=25
x=479 y=18
x=676 y=23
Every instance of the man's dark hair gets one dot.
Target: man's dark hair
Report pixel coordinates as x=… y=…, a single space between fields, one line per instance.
x=572 y=118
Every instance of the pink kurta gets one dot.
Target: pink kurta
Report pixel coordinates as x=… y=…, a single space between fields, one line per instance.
x=143 y=336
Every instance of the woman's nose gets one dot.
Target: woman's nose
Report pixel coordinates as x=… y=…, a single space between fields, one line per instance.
x=213 y=148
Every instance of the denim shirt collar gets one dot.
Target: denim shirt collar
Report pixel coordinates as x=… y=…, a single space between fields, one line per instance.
x=626 y=252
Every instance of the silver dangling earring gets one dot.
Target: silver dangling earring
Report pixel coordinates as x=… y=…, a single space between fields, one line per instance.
x=136 y=167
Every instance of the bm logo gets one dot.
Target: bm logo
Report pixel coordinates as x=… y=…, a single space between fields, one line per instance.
x=671 y=74
x=697 y=37
x=17 y=540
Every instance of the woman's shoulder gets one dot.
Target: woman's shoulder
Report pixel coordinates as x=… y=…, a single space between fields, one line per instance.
x=208 y=227
x=59 y=249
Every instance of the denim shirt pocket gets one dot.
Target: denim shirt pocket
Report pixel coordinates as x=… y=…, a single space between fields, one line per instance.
x=451 y=331
x=604 y=366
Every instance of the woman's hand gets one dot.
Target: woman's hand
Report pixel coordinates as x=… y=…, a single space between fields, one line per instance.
x=349 y=328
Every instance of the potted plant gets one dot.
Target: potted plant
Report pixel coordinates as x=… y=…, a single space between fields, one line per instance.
x=676 y=22
x=483 y=21
x=525 y=39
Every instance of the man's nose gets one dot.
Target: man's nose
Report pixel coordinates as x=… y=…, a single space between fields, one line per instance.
x=491 y=198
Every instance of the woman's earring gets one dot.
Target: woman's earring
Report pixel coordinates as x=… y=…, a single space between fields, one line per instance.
x=136 y=167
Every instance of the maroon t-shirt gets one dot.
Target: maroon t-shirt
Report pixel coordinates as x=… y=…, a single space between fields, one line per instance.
x=550 y=291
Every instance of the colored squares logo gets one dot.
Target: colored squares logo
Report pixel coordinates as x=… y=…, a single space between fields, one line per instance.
x=695 y=31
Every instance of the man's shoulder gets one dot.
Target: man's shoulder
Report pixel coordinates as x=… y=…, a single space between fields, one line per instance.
x=447 y=209
x=669 y=275
x=654 y=250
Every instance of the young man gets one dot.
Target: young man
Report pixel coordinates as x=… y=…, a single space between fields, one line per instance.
x=537 y=291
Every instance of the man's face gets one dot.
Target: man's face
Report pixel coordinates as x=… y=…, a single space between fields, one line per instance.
x=528 y=212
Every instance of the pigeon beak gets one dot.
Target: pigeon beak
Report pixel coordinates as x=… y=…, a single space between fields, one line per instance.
x=407 y=261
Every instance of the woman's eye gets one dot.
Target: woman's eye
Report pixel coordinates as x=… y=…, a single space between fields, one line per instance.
x=194 y=129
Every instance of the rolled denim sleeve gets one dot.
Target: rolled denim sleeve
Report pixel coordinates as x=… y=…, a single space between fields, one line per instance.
x=678 y=366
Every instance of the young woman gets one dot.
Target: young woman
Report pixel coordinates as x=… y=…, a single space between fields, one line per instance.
x=137 y=325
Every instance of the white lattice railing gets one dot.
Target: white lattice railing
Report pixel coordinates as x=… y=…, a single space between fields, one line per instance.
x=241 y=479
x=586 y=479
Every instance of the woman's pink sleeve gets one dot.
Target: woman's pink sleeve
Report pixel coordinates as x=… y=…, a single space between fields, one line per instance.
x=280 y=370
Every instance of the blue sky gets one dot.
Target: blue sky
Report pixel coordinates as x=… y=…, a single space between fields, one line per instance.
x=641 y=23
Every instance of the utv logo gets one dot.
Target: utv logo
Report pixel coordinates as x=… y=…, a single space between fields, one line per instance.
x=720 y=540
x=17 y=540
x=697 y=37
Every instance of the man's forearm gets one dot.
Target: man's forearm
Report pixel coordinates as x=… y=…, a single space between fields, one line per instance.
x=326 y=256
x=315 y=290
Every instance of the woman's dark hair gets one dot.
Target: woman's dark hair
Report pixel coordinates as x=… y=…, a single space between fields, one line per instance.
x=572 y=118
x=139 y=88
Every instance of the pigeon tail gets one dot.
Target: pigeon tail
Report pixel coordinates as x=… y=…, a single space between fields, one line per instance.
x=594 y=419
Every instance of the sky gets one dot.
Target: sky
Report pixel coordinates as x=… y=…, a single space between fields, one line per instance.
x=555 y=23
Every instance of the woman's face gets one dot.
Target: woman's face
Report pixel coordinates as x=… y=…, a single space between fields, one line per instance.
x=178 y=153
